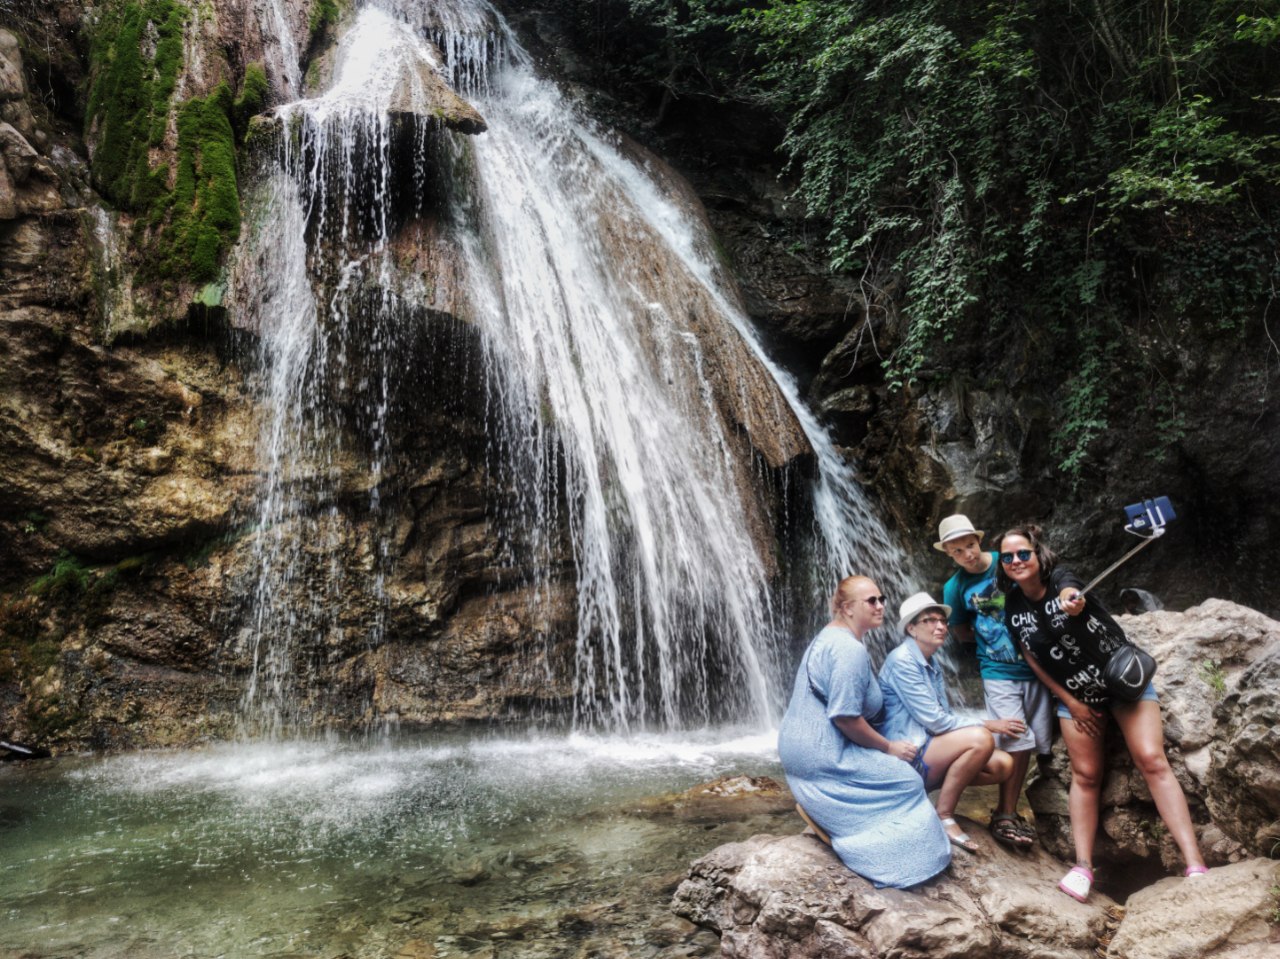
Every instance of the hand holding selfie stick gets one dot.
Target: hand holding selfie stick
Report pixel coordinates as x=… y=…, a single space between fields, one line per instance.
x=1147 y=519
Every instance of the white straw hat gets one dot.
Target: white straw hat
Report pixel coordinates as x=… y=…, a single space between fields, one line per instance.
x=916 y=604
x=953 y=527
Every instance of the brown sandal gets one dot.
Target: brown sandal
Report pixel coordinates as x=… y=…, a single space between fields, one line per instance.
x=1012 y=830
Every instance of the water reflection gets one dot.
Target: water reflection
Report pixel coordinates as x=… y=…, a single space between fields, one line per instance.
x=442 y=846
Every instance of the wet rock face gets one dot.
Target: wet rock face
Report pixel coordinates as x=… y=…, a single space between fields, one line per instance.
x=131 y=472
x=1217 y=667
x=30 y=182
x=130 y=434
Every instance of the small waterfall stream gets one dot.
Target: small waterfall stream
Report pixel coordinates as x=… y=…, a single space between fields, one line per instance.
x=629 y=406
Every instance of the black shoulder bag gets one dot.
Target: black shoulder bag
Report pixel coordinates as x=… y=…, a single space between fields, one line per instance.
x=1128 y=670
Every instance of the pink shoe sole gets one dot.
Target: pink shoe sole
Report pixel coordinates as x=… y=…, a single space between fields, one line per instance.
x=1077 y=883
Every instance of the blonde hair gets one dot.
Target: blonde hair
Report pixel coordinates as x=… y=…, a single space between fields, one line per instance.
x=844 y=591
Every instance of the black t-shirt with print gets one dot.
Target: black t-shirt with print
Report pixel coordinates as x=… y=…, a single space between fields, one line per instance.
x=1071 y=649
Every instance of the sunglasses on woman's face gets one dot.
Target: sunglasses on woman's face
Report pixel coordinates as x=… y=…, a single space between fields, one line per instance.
x=1022 y=555
x=874 y=601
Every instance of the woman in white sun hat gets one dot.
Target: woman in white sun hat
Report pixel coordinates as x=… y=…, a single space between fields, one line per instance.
x=952 y=753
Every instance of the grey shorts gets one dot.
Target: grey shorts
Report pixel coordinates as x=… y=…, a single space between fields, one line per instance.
x=1028 y=701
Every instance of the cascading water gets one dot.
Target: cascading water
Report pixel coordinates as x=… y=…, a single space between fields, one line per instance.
x=629 y=406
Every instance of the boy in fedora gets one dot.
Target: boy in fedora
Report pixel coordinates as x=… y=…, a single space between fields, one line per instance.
x=1010 y=687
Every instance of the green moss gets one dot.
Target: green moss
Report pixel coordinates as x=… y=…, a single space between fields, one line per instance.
x=252 y=99
x=135 y=56
x=323 y=13
x=190 y=214
x=204 y=207
x=65 y=583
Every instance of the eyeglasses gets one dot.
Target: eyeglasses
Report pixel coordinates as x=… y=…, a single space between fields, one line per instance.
x=930 y=621
x=874 y=600
x=1023 y=555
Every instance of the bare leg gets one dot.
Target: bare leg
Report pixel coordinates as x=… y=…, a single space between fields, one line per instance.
x=1011 y=788
x=1086 y=755
x=1144 y=735
x=960 y=758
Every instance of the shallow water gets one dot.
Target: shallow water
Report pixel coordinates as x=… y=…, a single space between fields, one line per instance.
x=440 y=846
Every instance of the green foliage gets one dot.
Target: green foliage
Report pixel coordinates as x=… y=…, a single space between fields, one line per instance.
x=323 y=13
x=34 y=522
x=1084 y=405
x=1048 y=180
x=1212 y=675
x=65 y=583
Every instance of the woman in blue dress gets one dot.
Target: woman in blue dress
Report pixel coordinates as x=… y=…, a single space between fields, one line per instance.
x=852 y=782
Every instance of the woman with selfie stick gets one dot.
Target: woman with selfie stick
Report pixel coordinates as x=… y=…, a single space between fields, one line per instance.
x=1063 y=635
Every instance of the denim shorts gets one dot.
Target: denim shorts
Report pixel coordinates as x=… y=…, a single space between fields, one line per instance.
x=1147 y=694
x=918 y=764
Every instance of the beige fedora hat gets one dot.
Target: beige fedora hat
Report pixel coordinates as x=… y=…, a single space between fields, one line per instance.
x=916 y=604
x=953 y=527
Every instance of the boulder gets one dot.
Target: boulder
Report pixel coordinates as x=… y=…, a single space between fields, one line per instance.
x=1217 y=667
x=18 y=155
x=1228 y=913
x=13 y=86
x=781 y=897
x=1244 y=777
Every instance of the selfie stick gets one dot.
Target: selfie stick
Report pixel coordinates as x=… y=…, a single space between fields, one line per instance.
x=1149 y=514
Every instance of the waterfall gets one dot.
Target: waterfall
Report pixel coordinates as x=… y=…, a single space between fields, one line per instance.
x=629 y=407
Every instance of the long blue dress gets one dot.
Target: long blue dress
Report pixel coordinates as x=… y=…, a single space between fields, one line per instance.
x=872 y=805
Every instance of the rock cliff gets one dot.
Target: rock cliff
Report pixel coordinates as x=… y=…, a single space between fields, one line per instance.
x=131 y=425
x=128 y=438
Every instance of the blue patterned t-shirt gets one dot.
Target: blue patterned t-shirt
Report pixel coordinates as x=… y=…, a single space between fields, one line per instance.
x=976 y=601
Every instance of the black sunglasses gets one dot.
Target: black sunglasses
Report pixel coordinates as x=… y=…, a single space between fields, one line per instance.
x=1023 y=555
x=875 y=600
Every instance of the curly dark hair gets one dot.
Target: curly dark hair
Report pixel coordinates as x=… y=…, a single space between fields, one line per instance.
x=1035 y=536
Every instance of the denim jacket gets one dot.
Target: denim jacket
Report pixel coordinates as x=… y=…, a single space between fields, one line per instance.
x=915 y=697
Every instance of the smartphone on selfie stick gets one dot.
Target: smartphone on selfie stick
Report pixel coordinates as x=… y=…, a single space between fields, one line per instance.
x=1147 y=520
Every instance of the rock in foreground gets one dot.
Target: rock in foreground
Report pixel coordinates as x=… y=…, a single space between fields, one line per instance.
x=1225 y=914
x=782 y=897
